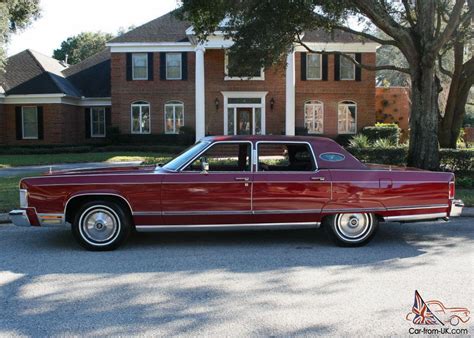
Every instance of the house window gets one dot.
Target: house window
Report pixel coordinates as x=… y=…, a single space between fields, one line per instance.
x=313 y=67
x=97 y=122
x=141 y=117
x=347 y=117
x=234 y=73
x=174 y=117
x=314 y=117
x=30 y=122
x=173 y=66
x=140 y=66
x=347 y=68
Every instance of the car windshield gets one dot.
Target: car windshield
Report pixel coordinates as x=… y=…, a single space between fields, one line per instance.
x=185 y=156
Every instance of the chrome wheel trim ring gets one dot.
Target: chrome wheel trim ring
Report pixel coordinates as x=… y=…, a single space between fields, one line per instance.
x=99 y=225
x=353 y=227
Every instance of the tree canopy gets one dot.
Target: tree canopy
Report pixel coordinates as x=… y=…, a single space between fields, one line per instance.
x=264 y=31
x=81 y=46
x=15 y=15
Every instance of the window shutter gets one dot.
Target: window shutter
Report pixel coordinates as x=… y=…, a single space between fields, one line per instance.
x=40 y=123
x=150 y=66
x=325 y=67
x=162 y=66
x=303 y=66
x=358 y=70
x=184 y=66
x=108 y=118
x=129 y=67
x=19 y=123
x=87 y=120
x=337 y=62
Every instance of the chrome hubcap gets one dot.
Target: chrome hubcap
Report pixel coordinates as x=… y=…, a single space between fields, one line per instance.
x=353 y=226
x=99 y=225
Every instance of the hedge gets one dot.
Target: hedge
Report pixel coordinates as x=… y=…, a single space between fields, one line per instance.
x=389 y=131
x=456 y=160
x=168 y=149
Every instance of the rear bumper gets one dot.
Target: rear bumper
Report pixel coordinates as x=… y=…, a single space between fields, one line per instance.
x=456 y=208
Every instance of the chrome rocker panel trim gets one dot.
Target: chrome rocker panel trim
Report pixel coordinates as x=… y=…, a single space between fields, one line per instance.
x=219 y=227
x=419 y=217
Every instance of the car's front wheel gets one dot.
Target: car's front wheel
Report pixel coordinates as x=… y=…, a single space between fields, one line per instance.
x=101 y=225
x=351 y=229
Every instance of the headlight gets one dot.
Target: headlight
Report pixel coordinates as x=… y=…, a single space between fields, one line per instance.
x=23 y=198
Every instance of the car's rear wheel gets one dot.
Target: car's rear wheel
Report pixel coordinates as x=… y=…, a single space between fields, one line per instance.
x=101 y=225
x=351 y=229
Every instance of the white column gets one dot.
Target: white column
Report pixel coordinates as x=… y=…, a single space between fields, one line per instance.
x=290 y=94
x=200 y=94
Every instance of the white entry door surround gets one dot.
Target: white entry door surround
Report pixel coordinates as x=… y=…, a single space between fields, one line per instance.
x=254 y=101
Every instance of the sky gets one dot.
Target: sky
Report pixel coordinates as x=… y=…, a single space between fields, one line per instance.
x=61 y=19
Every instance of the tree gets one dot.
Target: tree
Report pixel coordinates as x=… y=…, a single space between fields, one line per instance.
x=15 y=15
x=265 y=31
x=81 y=46
x=461 y=75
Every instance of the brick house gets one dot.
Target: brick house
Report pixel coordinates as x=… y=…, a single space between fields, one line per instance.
x=157 y=78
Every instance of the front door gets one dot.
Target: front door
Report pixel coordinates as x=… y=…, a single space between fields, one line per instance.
x=220 y=195
x=244 y=121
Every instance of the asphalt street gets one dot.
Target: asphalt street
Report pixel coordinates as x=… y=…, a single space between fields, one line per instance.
x=232 y=283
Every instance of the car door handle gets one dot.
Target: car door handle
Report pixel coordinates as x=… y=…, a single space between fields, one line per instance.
x=242 y=179
x=318 y=178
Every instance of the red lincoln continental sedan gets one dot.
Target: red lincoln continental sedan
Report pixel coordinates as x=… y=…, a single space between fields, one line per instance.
x=238 y=182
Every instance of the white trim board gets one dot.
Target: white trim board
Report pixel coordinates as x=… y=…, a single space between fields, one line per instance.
x=56 y=99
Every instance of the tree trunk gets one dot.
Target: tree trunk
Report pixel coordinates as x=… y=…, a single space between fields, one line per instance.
x=446 y=124
x=423 y=150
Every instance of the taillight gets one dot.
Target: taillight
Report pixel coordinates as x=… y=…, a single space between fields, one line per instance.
x=451 y=190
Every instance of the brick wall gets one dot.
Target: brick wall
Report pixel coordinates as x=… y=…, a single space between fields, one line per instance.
x=331 y=92
x=156 y=92
x=392 y=105
x=63 y=124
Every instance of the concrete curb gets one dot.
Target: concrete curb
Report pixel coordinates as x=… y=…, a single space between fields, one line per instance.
x=466 y=212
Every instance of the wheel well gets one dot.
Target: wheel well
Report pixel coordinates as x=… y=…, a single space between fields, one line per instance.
x=75 y=203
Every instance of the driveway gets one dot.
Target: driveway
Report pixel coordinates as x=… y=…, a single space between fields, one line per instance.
x=16 y=171
x=232 y=283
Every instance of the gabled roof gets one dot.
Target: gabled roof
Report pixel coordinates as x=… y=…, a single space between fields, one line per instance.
x=30 y=72
x=166 y=28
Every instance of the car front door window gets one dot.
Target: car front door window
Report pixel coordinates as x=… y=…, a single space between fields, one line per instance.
x=223 y=157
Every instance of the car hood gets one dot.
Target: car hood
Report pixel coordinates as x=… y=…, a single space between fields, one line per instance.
x=101 y=171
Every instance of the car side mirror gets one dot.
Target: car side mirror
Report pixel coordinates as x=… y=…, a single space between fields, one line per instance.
x=204 y=165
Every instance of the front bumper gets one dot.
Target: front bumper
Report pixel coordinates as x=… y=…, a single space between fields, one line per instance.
x=29 y=217
x=456 y=208
x=19 y=218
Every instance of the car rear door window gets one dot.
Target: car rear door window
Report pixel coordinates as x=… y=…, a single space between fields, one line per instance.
x=290 y=157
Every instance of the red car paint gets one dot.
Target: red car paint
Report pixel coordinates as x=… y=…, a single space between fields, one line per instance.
x=157 y=196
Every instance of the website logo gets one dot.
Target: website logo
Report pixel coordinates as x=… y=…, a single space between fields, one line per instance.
x=435 y=313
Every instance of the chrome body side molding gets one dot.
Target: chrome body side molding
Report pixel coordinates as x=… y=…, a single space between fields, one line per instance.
x=220 y=227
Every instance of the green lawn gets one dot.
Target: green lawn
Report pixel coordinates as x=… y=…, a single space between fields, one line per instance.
x=7 y=161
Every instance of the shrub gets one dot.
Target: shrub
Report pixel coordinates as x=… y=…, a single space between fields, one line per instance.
x=343 y=140
x=389 y=131
x=301 y=131
x=383 y=143
x=359 y=141
x=457 y=159
x=392 y=156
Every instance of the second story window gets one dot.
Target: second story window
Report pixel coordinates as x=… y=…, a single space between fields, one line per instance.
x=313 y=67
x=233 y=72
x=140 y=118
x=140 y=66
x=347 y=68
x=173 y=66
